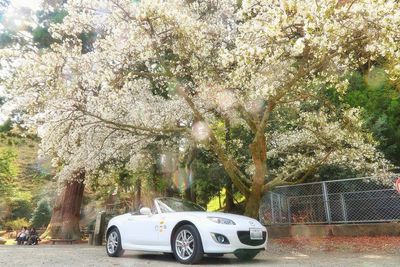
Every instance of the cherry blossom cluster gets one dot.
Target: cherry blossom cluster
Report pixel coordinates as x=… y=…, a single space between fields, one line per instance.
x=161 y=71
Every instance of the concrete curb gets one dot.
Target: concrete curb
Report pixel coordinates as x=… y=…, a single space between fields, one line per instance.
x=373 y=229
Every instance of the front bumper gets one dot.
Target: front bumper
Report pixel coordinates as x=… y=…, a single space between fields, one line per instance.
x=238 y=239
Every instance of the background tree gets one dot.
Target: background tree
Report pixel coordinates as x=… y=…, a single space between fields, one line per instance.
x=41 y=215
x=66 y=213
x=380 y=103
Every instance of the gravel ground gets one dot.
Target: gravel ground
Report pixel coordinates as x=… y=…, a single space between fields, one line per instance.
x=84 y=255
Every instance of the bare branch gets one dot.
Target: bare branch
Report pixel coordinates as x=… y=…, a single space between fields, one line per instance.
x=122 y=126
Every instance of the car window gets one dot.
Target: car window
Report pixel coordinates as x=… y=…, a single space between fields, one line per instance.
x=177 y=205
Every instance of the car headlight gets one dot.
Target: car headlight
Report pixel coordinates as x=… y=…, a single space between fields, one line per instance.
x=221 y=220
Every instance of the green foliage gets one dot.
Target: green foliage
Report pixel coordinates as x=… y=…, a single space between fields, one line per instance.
x=42 y=37
x=125 y=179
x=6 y=126
x=16 y=224
x=21 y=177
x=209 y=177
x=333 y=172
x=20 y=206
x=88 y=40
x=42 y=214
x=56 y=16
x=380 y=102
x=8 y=170
x=6 y=39
x=214 y=203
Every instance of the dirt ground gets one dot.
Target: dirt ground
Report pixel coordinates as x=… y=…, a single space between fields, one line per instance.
x=281 y=252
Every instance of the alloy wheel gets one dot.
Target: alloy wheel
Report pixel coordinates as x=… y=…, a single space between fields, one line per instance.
x=112 y=242
x=184 y=244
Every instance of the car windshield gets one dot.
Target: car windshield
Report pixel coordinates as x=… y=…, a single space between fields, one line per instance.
x=176 y=205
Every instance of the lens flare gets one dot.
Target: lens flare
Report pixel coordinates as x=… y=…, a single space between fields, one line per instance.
x=256 y=107
x=376 y=78
x=182 y=179
x=200 y=131
x=168 y=162
x=226 y=100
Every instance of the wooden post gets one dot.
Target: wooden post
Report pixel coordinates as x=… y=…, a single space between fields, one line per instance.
x=99 y=228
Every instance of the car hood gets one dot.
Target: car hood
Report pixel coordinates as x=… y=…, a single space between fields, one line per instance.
x=239 y=220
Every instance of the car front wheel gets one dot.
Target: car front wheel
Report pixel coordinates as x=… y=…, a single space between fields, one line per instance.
x=113 y=247
x=186 y=245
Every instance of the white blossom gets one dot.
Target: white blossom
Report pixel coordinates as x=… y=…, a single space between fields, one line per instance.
x=94 y=107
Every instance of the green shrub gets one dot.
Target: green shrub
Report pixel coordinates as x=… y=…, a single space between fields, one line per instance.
x=42 y=214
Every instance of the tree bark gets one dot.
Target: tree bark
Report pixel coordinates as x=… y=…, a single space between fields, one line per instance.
x=258 y=152
x=138 y=193
x=229 y=204
x=65 y=217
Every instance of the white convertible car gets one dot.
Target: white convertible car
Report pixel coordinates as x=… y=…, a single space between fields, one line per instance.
x=186 y=230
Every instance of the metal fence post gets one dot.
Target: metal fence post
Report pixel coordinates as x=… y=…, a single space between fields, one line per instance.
x=344 y=208
x=280 y=207
x=326 y=202
x=288 y=211
x=272 y=207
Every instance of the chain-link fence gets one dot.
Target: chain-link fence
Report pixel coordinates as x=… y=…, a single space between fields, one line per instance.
x=339 y=201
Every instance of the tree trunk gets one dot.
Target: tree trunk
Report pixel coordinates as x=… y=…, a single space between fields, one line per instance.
x=138 y=193
x=258 y=152
x=229 y=204
x=191 y=185
x=65 y=218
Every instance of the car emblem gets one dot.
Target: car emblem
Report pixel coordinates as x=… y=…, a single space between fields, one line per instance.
x=251 y=223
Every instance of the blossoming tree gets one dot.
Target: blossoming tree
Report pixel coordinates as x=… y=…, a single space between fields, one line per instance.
x=165 y=71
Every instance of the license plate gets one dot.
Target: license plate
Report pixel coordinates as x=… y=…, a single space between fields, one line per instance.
x=256 y=234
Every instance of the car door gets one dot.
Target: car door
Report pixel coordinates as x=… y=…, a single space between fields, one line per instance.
x=142 y=230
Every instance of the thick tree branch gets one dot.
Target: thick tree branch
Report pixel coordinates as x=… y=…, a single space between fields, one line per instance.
x=237 y=177
x=251 y=122
x=307 y=171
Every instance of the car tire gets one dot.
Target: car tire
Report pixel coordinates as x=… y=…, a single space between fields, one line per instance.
x=186 y=245
x=246 y=255
x=113 y=243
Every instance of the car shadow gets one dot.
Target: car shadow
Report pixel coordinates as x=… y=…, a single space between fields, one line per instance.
x=206 y=260
x=231 y=260
x=155 y=257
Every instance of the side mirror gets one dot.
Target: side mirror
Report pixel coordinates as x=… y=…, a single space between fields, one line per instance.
x=145 y=211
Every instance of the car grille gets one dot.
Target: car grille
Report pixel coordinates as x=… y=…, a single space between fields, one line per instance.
x=244 y=237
